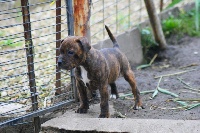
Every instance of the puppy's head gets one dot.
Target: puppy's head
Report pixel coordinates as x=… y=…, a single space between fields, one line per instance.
x=73 y=51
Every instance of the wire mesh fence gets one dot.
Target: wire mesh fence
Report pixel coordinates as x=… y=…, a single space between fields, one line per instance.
x=16 y=94
x=120 y=15
x=15 y=90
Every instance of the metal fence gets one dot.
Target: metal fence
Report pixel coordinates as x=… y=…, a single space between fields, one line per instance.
x=29 y=38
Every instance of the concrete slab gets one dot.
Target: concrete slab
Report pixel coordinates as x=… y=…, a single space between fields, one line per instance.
x=121 y=125
x=73 y=122
x=130 y=44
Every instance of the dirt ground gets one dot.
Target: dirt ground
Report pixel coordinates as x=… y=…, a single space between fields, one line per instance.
x=179 y=56
x=182 y=55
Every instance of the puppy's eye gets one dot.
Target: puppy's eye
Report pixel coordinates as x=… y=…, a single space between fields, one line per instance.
x=70 y=52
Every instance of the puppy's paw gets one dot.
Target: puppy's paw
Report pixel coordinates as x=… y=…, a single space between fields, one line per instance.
x=138 y=105
x=114 y=96
x=81 y=110
x=103 y=116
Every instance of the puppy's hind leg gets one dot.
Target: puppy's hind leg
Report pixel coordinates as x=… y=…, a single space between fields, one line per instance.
x=129 y=77
x=114 y=92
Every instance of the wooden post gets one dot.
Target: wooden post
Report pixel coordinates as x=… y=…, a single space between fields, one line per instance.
x=81 y=18
x=155 y=24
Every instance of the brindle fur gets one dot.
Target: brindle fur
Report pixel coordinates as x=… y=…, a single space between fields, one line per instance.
x=103 y=66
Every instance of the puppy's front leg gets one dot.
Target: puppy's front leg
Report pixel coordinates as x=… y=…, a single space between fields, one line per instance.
x=104 y=102
x=84 y=103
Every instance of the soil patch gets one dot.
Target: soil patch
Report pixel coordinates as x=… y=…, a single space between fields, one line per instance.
x=185 y=55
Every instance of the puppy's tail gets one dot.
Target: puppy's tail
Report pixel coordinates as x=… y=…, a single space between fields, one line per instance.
x=115 y=44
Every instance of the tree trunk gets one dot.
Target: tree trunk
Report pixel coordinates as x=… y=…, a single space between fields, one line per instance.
x=155 y=24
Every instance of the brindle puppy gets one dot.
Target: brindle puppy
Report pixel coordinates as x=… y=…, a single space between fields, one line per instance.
x=96 y=69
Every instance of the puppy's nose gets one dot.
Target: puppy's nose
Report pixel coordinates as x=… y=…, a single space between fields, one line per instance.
x=59 y=63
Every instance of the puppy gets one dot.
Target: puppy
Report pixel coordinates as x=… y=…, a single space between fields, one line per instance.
x=96 y=69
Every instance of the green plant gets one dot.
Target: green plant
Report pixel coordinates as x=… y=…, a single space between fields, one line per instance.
x=188 y=23
x=149 y=45
x=10 y=42
x=183 y=24
x=171 y=25
x=197 y=14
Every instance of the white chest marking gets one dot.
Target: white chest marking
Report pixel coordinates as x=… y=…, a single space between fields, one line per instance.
x=84 y=75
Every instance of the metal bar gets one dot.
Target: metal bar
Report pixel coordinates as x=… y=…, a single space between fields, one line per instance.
x=116 y=16
x=36 y=113
x=103 y=18
x=30 y=60
x=70 y=25
x=58 y=37
x=129 y=13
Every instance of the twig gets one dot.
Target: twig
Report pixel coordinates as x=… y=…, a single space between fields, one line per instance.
x=187 y=85
x=142 y=92
x=171 y=108
x=193 y=106
x=191 y=92
x=159 y=82
x=145 y=92
x=147 y=65
x=190 y=88
x=193 y=64
x=156 y=91
x=151 y=62
x=184 y=82
x=174 y=73
x=177 y=99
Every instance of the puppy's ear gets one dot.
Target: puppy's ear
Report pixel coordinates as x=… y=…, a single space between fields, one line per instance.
x=83 y=41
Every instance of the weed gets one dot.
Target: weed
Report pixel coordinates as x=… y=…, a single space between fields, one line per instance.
x=171 y=25
x=184 y=24
x=148 y=43
x=9 y=43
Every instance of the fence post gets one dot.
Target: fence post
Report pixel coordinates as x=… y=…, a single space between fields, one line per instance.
x=30 y=61
x=70 y=25
x=81 y=18
x=58 y=37
x=155 y=23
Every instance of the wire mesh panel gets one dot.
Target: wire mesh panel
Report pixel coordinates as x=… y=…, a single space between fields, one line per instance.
x=119 y=15
x=15 y=94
